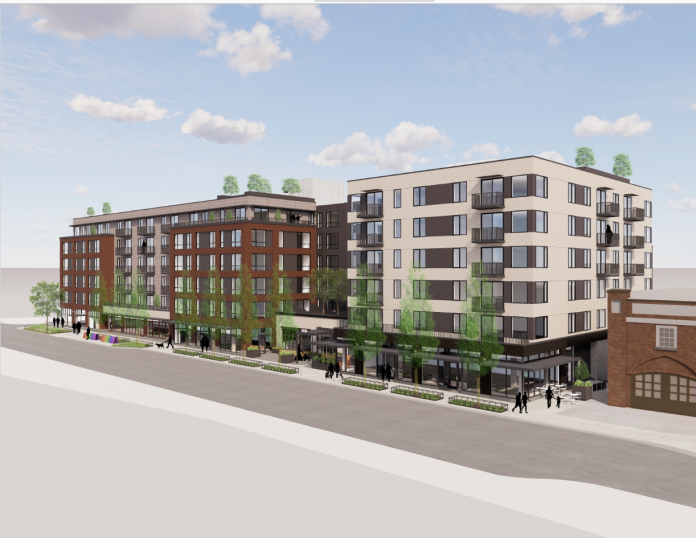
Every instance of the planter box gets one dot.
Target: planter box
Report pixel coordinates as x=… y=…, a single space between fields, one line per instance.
x=424 y=394
x=287 y=359
x=318 y=365
x=281 y=369
x=484 y=405
x=253 y=353
x=245 y=362
x=372 y=384
x=585 y=393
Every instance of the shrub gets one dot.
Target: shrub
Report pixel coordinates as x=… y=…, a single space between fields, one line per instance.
x=582 y=372
x=185 y=352
x=253 y=348
x=287 y=352
x=51 y=329
x=132 y=344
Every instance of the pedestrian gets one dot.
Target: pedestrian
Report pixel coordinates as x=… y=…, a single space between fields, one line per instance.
x=202 y=343
x=62 y=323
x=54 y=322
x=558 y=401
x=169 y=342
x=525 y=399
x=331 y=370
x=549 y=396
x=382 y=372
x=518 y=402
x=74 y=327
x=389 y=372
x=79 y=327
x=338 y=370
x=88 y=331
x=298 y=357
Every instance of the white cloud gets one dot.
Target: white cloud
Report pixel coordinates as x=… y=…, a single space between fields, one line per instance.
x=85 y=21
x=627 y=126
x=579 y=33
x=672 y=187
x=553 y=40
x=485 y=150
x=552 y=156
x=217 y=129
x=141 y=110
x=686 y=205
x=613 y=14
x=304 y=18
x=80 y=190
x=408 y=136
x=693 y=107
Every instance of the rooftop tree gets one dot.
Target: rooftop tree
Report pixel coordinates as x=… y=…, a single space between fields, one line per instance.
x=291 y=186
x=106 y=208
x=622 y=165
x=90 y=211
x=584 y=156
x=230 y=185
x=259 y=184
x=45 y=298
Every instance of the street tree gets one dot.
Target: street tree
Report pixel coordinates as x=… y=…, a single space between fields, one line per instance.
x=278 y=302
x=45 y=298
x=185 y=305
x=247 y=320
x=320 y=286
x=584 y=156
x=106 y=208
x=211 y=299
x=622 y=165
x=90 y=211
x=291 y=186
x=257 y=183
x=230 y=185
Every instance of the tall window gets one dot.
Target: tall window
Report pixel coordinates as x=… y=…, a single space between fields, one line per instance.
x=397 y=289
x=397 y=198
x=542 y=327
x=602 y=318
x=459 y=255
x=587 y=228
x=542 y=187
x=332 y=219
x=571 y=290
x=519 y=221
x=571 y=225
x=571 y=257
x=571 y=322
x=419 y=227
x=542 y=257
x=571 y=195
x=519 y=186
x=320 y=220
x=397 y=228
x=459 y=192
x=648 y=260
x=601 y=289
x=587 y=196
x=420 y=289
x=258 y=238
x=648 y=283
x=459 y=290
x=648 y=234
x=459 y=224
x=418 y=196
x=587 y=258
x=541 y=292
x=320 y=239
x=419 y=257
x=519 y=256
x=542 y=222
x=648 y=209
x=397 y=259
x=519 y=292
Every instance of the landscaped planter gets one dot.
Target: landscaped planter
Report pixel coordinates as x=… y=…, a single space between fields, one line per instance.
x=372 y=384
x=139 y=345
x=42 y=329
x=214 y=356
x=186 y=352
x=485 y=405
x=585 y=392
x=425 y=394
x=253 y=353
x=281 y=368
x=245 y=362
x=318 y=365
x=287 y=358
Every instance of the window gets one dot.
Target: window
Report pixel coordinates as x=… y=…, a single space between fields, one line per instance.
x=305 y=261
x=397 y=198
x=519 y=292
x=587 y=289
x=419 y=196
x=397 y=289
x=420 y=289
x=419 y=227
x=571 y=193
x=648 y=283
x=182 y=241
x=587 y=196
x=628 y=284
x=601 y=318
x=258 y=286
x=541 y=292
x=616 y=283
x=332 y=219
x=320 y=220
x=320 y=264
x=459 y=257
x=519 y=256
x=397 y=228
x=648 y=260
x=519 y=221
x=355 y=202
x=601 y=289
x=231 y=238
x=397 y=317
x=542 y=222
x=459 y=290
x=616 y=306
x=397 y=259
x=258 y=262
x=419 y=257
x=66 y=248
x=587 y=258
x=542 y=187
x=459 y=224
x=648 y=234
x=320 y=240
x=587 y=320
x=650 y=386
x=571 y=225
x=677 y=387
x=458 y=322
x=331 y=241
x=232 y=262
x=459 y=192
x=355 y=231
x=648 y=209
x=571 y=258
x=571 y=290
x=258 y=238
x=666 y=337
x=541 y=327
x=571 y=323
x=542 y=257
x=587 y=227
x=519 y=186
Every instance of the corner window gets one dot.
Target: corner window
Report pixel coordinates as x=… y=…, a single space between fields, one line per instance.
x=542 y=187
x=519 y=221
x=519 y=186
x=542 y=222
x=519 y=256
x=542 y=257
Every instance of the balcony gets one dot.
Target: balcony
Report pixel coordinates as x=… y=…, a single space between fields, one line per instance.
x=488 y=235
x=124 y=270
x=607 y=269
x=146 y=230
x=634 y=241
x=150 y=288
x=164 y=290
x=370 y=299
x=371 y=269
x=123 y=251
x=484 y=304
x=517 y=337
x=608 y=240
x=123 y=232
x=370 y=211
x=488 y=269
x=146 y=250
x=164 y=269
x=165 y=249
x=164 y=228
x=261 y=217
x=369 y=240
x=146 y=269
x=634 y=213
x=634 y=269
x=608 y=209
x=487 y=200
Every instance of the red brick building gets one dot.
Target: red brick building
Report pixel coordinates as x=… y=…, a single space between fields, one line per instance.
x=651 y=361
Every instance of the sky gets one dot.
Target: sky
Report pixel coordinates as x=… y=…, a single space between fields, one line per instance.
x=150 y=105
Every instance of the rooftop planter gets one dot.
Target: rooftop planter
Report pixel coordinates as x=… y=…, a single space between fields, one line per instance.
x=281 y=368
x=184 y=351
x=485 y=405
x=372 y=384
x=245 y=362
x=424 y=394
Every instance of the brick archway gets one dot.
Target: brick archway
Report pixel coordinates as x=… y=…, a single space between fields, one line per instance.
x=664 y=365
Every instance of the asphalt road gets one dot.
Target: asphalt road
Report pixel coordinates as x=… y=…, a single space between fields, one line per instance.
x=485 y=442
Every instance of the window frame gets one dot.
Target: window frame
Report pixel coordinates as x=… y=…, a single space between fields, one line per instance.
x=657 y=337
x=419 y=195
x=526 y=186
x=397 y=258
x=457 y=224
x=397 y=198
x=397 y=228
x=457 y=192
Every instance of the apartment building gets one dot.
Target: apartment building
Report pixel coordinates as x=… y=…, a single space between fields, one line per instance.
x=154 y=249
x=549 y=237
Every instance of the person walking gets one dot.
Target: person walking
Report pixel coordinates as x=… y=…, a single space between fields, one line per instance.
x=525 y=399
x=549 y=396
x=518 y=402
x=62 y=323
x=382 y=372
x=54 y=322
x=79 y=327
x=558 y=401
x=88 y=331
x=74 y=327
x=338 y=370
x=169 y=342
x=389 y=372
x=331 y=370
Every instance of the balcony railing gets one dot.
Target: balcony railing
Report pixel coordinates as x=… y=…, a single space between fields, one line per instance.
x=124 y=270
x=488 y=269
x=488 y=235
x=123 y=251
x=146 y=230
x=484 y=303
x=146 y=269
x=608 y=240
x=149 y=288
x=164 y=269
x=634 y=241
x=487 y=200
x=370 y=298
x=608 y=209
x=369 y=211
x=165 y=249
x=634 y=213
x=607 y=269
x=634 y=269
x=164 y=228
x=369 y=240
x=271 y=219
x=146 y=250
x=123 y=232
x=164 y=290
x=371 y=269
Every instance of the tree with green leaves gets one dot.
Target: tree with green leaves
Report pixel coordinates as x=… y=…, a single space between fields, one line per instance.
x=212 y=293
x=584 y=156
x=329 y=285
x=278 y=217
x=279 y=301
x=185 y=306
x=90 y=211
x=291 y=186
x=257 y=183
x=230 y=185
x=106 y=208
x=364 y=334
x=93 y=229
x=622 y=165
x=157 y=301
x=247 y=321
x=228 y=214
x=45 y=298
x=211 y=215
x=416 y=338
x=105 y=289
x=478 y=345
x=582 y=372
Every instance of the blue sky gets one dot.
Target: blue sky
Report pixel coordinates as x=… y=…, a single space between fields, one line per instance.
x=149 y=105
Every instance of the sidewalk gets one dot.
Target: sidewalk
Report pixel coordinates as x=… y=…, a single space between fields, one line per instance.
x=673 y=431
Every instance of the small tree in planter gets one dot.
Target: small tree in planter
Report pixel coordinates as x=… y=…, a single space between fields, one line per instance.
x=228 y=214
x=93 y=229
x=157 y=301
x=291 y=186
x=230 y=185
x=278 y=216
x=45 y=298
x=582 y=372
x=211 y=216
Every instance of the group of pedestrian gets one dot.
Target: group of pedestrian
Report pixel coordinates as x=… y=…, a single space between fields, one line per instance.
x=386 y=371
x=549 y=398
x=76 y=327
x=205 y=343
x=58 y=322
x=334 y=369
x=521 y=402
